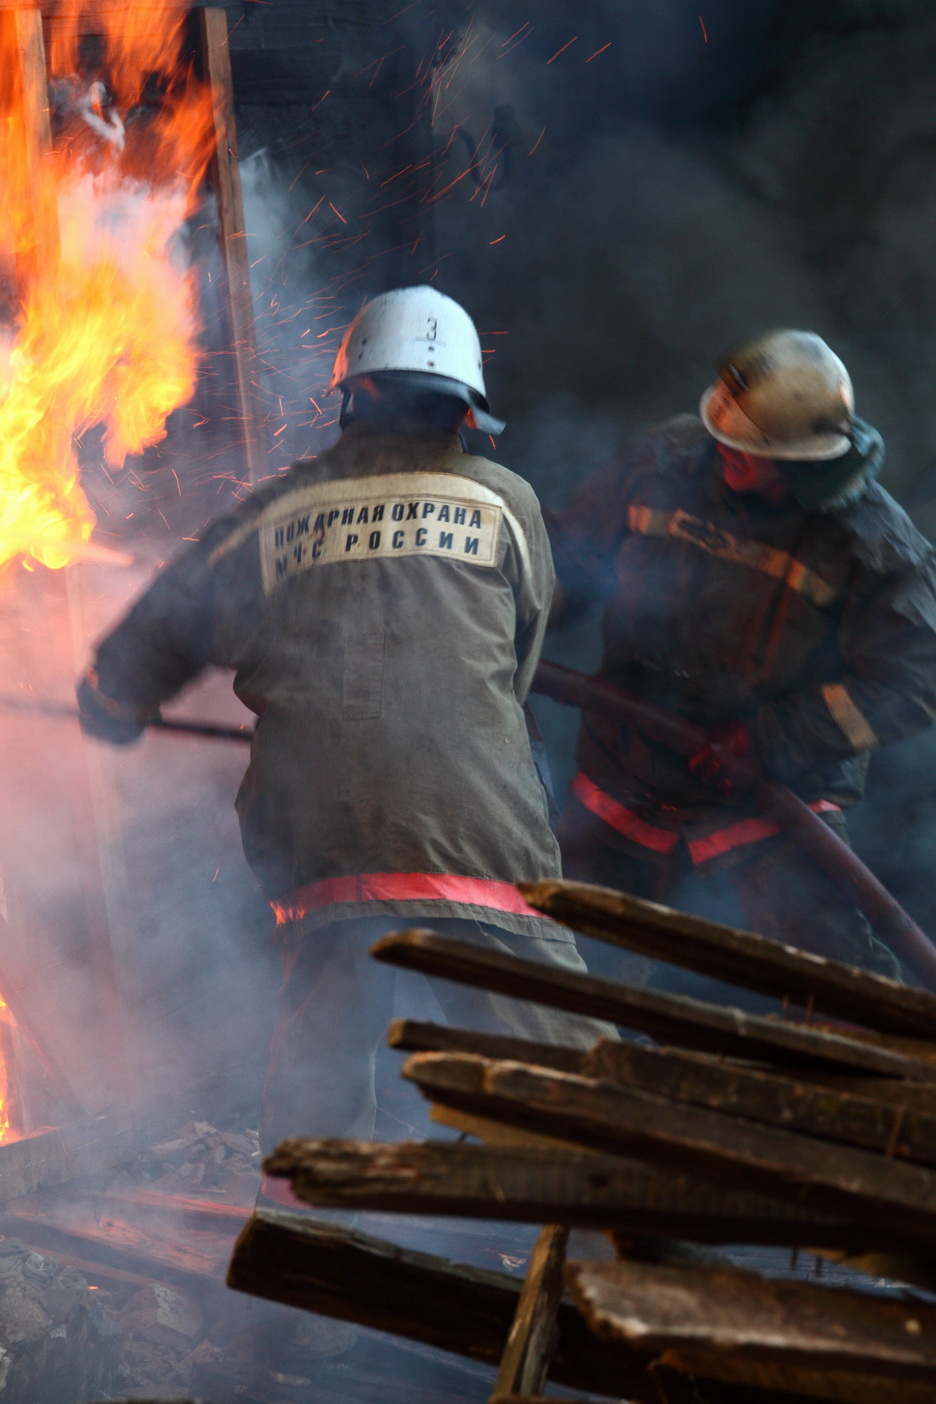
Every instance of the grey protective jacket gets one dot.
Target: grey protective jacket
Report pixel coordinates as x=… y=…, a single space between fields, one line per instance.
x=383 y=607
x=816 y=628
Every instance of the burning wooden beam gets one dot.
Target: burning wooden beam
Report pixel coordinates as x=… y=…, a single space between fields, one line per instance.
x=24 y=99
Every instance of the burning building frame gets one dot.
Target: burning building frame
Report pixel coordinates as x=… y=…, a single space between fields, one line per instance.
x=116 y=126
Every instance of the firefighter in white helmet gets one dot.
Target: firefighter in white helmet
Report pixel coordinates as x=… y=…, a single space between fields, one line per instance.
x=757 y=580
x=383 y=607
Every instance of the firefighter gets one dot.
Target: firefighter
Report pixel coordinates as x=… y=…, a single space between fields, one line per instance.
x=757 y=580
x=382 y=607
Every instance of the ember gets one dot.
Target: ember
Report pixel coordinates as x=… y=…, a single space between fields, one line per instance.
x=106 y=325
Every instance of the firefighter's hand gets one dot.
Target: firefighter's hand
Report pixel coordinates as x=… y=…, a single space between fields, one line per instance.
x=728 y=761
x=108 y=720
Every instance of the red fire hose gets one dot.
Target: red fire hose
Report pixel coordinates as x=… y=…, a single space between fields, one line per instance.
x=824 y=847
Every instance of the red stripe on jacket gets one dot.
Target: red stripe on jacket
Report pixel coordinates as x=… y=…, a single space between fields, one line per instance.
x=621 y=818
x=401 y=887
x=701 y=850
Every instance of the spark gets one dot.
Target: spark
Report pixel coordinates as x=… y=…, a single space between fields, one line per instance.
x=498 y=241
x=599 y=51
x=562 y=50
x=537 y=142
x=704 y=30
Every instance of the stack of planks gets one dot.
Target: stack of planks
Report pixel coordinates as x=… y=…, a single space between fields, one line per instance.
x=814 y=1128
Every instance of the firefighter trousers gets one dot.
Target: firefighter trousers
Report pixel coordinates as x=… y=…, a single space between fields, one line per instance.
x=782 y=894
x=327 y=1072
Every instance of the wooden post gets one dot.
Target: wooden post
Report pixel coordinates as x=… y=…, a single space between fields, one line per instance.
x=224 y=177
x=534 y=1332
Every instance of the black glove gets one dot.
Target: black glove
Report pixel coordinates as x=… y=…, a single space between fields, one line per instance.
x=108 y=720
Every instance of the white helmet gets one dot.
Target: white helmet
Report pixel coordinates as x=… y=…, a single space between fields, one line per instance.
x=423 y=334
x=784 y=395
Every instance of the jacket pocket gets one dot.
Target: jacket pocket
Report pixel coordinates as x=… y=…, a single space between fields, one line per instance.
x=362 y=679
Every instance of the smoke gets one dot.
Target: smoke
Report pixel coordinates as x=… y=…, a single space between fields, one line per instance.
x=638 y=224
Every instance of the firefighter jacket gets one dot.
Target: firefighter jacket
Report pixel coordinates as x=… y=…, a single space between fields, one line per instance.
x=383 y=607
x=815 y=628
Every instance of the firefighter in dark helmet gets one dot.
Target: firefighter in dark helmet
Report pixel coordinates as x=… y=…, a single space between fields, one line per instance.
x=757 y=580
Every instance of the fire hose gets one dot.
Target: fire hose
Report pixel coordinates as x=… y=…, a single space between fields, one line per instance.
x=775 y=801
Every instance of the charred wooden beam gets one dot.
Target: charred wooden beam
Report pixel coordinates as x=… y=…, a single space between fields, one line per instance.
x=669 y=1018
x=338 y=1272
x=739 y=957
x=410 y=1036
x=869 y=1190
x=889 y=1127
x=520 y=1184
x=719 y=1322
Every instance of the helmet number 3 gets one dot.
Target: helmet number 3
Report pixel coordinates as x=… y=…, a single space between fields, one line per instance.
x=431 y=329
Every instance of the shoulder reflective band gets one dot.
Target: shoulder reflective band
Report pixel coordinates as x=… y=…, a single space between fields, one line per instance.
x=654 y=521
x=401 y=887
x=850 y=720
x=619 y=817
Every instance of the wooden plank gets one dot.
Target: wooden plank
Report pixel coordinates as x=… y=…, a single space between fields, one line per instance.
x=724 y=1319
x=411 y=1036
x=739 y=957
x=224 y=177
x=520 y=1184
x=921 y=1095
x=669 y=1018
x=534 y=1331
x=889 y=1127
x=338 y=1272
x=869 y=1190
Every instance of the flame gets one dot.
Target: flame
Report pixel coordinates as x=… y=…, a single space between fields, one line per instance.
x=6 y=1131
x=106 y=331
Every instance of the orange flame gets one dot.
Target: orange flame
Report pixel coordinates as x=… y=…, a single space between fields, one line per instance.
x=107 y=323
